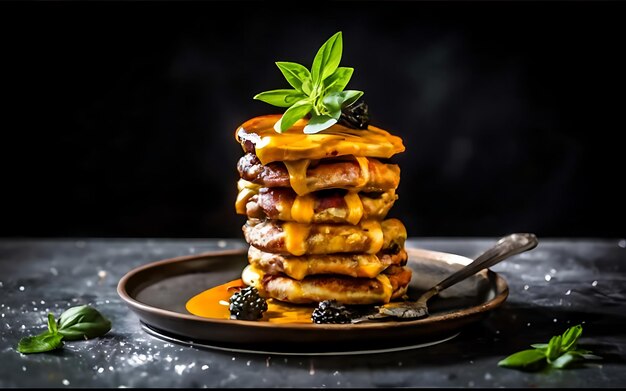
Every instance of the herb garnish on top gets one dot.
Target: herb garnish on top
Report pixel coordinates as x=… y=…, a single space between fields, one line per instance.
x=318 y=92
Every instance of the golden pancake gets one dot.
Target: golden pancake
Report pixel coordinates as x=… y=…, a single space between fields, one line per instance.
x=325 y=206
x=346 y=290
x=257 y=135
x=353 y=265
x=305 y=176
x=290 y=238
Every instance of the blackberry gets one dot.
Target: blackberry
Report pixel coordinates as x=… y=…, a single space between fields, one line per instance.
x=329 y=311
x=247 y=304
x=355 y=116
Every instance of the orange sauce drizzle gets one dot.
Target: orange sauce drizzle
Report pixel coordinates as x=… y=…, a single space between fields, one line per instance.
x=213 y=303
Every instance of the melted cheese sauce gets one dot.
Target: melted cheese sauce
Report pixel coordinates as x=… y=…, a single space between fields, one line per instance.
x=296 y=235
x=355 y=207
x=375 y=233
x=367 y=266
x=213 y=303
x=335 y=141
x=384 y=280
x=297 y=175
x=246 y=190
x=303 y=209
x=365 y=171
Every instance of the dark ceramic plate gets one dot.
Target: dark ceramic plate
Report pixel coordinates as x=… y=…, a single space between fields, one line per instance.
x=157 y=293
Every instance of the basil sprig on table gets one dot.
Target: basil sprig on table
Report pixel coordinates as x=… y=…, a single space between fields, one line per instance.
x=81 y=322
x=559 y=353
x=319 y=92
x=44 y=342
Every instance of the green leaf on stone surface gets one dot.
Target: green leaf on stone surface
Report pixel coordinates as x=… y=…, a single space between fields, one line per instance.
x=570 y=337
x=76 y=323
x=83 y=322
x=560 y=352
x=564 y=360
x=40 y=343
x=523 y=359
x=554 y=348
x=52 y=324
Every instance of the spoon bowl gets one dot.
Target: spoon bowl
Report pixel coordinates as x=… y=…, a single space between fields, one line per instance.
x=505 y=247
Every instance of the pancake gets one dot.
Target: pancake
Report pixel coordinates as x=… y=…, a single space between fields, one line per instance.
x=257 y=135
x=346 y=290
x=305 y=176
x=290 y=238
x=353 y=265
x=325 y=206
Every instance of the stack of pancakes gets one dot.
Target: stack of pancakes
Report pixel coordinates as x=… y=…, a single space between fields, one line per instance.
x=316 y=207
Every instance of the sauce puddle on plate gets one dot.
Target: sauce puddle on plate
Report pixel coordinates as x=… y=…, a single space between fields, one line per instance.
x=213 y=303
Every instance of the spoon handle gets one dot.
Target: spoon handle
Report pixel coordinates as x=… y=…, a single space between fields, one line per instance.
x=507 y=246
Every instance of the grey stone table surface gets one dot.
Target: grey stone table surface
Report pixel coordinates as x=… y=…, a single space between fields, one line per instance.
x=560 y=283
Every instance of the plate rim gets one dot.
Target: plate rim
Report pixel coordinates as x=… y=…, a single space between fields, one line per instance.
x=501 y=294
x=155 y=332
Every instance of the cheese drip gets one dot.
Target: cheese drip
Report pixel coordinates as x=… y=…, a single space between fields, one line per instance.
x=355 y=207
x=365 y=171
x=388 y=288
x=374 y=231
x=299 y=239
x=297 y=175
x=302 y=209
x=368 y=266
x=246 y=190
x=296 y=235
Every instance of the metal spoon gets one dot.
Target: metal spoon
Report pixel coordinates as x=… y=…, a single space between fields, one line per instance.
x=507 y=246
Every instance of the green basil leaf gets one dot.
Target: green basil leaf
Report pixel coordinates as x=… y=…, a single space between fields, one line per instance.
x=588 y=356
x=280 y=98
x=336 y=100
x=295 y=73
x=560 y=352
x=83 y=322
x=580 y=351
x=564 y=360
x=339 y=79
x=293 y=114
x=40 y=343
x=554 y=348
x=327 y=58
x=333 y=101
x=52 y=324
x=524 y=359
x=570 y=337
x=307 y=86
x=321 y=89
x=317 y=123
x=351 y=96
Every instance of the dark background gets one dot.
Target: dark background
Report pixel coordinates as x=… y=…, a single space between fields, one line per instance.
x=118 y=118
